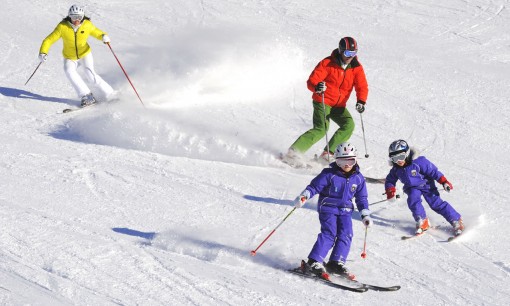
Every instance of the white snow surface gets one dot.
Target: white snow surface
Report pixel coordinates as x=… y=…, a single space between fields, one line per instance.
x=122 y=204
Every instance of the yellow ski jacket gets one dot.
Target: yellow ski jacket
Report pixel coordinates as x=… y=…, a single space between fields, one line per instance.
x=75 y=42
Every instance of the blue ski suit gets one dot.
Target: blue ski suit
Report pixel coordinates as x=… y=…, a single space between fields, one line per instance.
x=336 y=191
x=418 y=176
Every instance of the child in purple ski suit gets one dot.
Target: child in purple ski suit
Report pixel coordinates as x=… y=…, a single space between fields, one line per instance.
x=336 y=186
x=418 y=175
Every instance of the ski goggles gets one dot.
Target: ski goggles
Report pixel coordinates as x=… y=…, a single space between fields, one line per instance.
x=76 y=17
x=350 y=53
x=346 y=162
x=398 y=157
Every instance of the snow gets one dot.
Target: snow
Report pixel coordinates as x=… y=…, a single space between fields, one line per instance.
x=121 y=204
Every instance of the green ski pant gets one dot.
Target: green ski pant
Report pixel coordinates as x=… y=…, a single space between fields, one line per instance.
x=340 y=116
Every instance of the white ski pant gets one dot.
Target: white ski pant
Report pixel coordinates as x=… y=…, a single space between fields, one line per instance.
x=87 y=62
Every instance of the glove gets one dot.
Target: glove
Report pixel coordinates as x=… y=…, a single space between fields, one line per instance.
x=301 y=199
x=106 y=38
x=365 y=218
x=446 y=184
x=43 y=57
x=360 y=106
x=390 y=194
x=321 y=87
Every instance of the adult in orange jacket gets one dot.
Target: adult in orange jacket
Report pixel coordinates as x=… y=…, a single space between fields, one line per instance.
x=333 y=78
x=74 y=30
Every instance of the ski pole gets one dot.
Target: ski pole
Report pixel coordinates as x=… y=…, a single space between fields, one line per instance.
x=125 y=73
x=364 y=253
x=363 y=130
x=254 y=252
x=396 y=196
x=325 y=124
x=33 y=72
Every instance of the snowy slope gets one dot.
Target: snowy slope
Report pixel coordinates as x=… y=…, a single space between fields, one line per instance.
x=121 y=204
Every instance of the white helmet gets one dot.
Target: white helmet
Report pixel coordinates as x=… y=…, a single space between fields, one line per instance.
x=346 y=155
x=346 y=150
x=76 y=10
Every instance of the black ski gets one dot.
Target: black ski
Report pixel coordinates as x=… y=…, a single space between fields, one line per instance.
x=369 y=286
x=298 y=271
x=411 y=236
x=382 y=288
x=350 y=285
x=452 y=238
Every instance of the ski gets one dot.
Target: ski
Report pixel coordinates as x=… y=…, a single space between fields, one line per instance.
x=382 y=288
x=350 y=285
x=452 y=238
x=294 y=163
x=369 y=286
x=418 y=235
x=68 y=110
x=299 y=272
x=375 y=180
x=411 y=236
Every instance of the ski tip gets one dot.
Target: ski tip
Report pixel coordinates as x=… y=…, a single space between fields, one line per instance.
x=452 y=238
x=378 y=288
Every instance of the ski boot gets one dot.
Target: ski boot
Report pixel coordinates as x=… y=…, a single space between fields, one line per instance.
x=339 y=268
x=458 y=227
x=87 y=100
x=314 y=267
x=422 y=225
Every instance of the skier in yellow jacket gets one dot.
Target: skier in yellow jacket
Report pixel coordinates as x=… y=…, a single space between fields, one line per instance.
x=74 y=30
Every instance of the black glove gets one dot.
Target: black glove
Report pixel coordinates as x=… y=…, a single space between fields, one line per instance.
x=321 y=87
x=360 y=106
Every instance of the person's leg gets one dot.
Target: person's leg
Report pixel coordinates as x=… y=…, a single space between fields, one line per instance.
x=343 y=119
x=94 y=78
x=70 y=68
x=343 y=238
x=310 y=137
x=414 y=203
x=441 y=207
x=326 y=237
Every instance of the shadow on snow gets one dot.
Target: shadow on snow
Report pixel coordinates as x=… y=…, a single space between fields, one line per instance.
x=23 y=94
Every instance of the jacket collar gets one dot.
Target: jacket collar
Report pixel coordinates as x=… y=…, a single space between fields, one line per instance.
x=355 y=170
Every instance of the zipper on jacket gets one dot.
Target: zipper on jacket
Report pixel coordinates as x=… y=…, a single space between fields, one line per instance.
x=76 y=44
x=343 y=79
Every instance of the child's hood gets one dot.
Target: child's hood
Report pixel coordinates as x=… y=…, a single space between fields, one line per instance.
x=414 y=153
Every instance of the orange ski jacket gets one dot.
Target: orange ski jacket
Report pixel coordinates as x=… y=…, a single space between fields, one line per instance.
x=339 y=81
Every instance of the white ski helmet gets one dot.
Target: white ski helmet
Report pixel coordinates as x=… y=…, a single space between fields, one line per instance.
x=76 y=10
x=346 y=150
x=346 y=155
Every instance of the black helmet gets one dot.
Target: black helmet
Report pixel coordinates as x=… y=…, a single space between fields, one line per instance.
x=348 y=43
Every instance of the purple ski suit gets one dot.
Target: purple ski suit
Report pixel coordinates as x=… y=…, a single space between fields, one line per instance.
x=418 y=176
x=336 y=190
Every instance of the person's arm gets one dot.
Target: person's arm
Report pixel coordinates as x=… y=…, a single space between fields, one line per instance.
x=50 y=40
